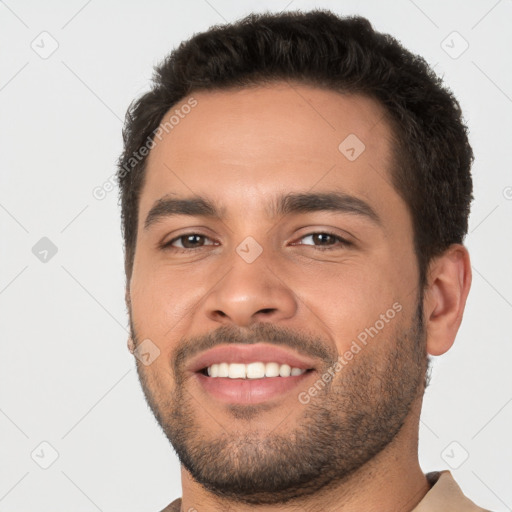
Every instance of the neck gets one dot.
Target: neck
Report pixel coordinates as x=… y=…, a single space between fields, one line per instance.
x=391 y=482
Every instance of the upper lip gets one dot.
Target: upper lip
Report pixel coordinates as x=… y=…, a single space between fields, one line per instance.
x=237 y=353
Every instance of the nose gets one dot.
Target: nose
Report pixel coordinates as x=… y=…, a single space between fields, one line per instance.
x=250 y=293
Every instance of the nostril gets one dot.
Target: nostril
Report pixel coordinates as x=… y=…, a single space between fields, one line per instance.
x=266 y=310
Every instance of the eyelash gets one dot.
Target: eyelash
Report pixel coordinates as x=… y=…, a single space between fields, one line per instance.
x=168 y=245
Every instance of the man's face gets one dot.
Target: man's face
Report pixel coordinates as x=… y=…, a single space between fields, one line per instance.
x=324 y=284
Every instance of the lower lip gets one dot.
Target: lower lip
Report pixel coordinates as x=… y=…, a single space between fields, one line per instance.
x=250 y=391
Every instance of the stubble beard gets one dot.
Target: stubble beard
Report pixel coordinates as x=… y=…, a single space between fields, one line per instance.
x=345 y=425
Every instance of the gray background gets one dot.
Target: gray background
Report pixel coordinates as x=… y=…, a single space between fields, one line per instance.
x=66 y=377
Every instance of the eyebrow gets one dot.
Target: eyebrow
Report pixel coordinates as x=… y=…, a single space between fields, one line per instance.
x=283 y=205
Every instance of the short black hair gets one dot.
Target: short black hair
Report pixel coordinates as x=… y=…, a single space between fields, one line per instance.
x=432 y=156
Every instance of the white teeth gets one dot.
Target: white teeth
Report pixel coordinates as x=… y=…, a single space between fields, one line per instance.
x=237 y=371
x=223 y=370
x=256 y=370
x=272 y=370
x=285 y=370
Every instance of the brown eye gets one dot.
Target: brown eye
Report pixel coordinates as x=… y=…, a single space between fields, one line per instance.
x=191 y=241
x=188 y=241
x=325 y=240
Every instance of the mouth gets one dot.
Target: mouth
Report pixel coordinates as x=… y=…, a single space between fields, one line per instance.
x=250 y=390
x=256 y=370
x=250 y=374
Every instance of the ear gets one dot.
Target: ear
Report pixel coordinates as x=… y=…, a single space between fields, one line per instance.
x=448 y=284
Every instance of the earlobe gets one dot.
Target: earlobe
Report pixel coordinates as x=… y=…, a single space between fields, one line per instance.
x=449 y=281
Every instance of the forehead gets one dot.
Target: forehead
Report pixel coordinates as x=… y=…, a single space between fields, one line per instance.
x=238 y=146
x=282 y=115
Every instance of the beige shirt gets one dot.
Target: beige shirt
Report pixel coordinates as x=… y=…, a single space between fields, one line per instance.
x=444 y=496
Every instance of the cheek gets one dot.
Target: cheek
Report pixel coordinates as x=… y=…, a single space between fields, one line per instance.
x=350 y=300
x=163 y=302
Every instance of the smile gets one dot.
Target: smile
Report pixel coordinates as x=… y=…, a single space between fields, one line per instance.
x=256 y=370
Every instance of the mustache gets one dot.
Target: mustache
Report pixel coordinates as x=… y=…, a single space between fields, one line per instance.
x=305 y=344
